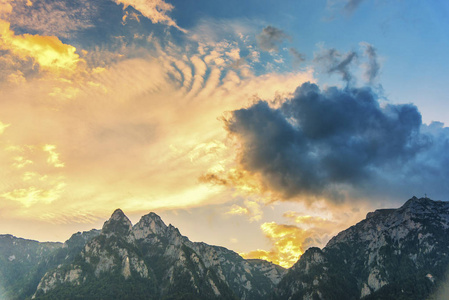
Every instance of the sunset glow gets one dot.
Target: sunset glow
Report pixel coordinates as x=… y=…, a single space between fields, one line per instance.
x=265 y=128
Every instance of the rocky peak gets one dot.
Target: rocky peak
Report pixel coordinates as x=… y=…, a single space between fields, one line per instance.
x=425 y=208
x=81 y=238
x=415 y=204
x=313 y=256
x=118 y=224
x=392 y=254
x=118 y=214
x=149 y=224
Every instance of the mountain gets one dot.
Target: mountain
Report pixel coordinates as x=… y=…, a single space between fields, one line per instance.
x=151 y=260
x=393 y=254
x=19 y=265
x=24 y=262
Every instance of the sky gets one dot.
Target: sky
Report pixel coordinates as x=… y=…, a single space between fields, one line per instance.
x=262 y=126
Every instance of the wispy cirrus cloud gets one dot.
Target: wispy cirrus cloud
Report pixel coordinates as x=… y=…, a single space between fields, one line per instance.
x=333 y=61
x=344 y=6
x=270 y=38
x=155 y=10
x=52 y=18
x=372 y=66
x=352 y=5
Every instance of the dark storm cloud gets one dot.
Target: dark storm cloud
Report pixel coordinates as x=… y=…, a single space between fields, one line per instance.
x=270 y=38
x=318 y=140
x=336 y=62
x=372 y=68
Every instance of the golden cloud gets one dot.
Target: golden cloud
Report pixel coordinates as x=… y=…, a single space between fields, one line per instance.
x=47 y=51
x=53 y=156
x=238 y=210
x=313 y=227
x=3 y=127
x=26 y=184
x=33 y=195
x=134 y=135
x=287 y=242
x=20 y=162
x=250 y=208
x=237 y=178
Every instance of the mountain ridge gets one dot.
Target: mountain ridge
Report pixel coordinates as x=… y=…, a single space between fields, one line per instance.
x=159 y=260
x=391 y=254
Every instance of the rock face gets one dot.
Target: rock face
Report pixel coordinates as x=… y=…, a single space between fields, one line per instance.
x=392 y=254
x=151 y=260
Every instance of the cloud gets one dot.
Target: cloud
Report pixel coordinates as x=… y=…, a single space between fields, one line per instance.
x=3 y=127
x=53 y=156
x=270 y=38
x=5 y=8
x=337 y=141
x=312 y=226
x=46 y=51
x=155 y=10
x=238 y=210
x=128 y=124
x=251 y=208
x=352 y=5
x=372 y=67
x=287 y=243
x=53 y=18
x=331 y=61
x=26 y=186
x=297 y=56
x=335 y=62
x=32 y=195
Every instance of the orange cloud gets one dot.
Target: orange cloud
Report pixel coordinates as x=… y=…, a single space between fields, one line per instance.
x=123 y=127
x=47 y=51
x=312 y=228
x=237 y=178
x=287 y=242
x=238 y=210
x=251 y=208
x=5 y=8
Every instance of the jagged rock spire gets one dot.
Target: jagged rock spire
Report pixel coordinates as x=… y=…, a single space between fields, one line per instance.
x=149 y=224
x=118 y=224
